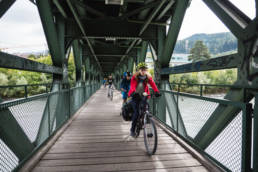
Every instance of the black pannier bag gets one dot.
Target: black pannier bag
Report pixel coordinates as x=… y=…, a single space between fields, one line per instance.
x=127 y=111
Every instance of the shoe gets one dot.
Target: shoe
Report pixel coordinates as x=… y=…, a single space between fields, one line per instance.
x=132 y=134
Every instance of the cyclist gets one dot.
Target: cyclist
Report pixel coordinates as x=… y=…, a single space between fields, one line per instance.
x=139 y=84
x=109 y=83
x=125 y=85
x=104 y=82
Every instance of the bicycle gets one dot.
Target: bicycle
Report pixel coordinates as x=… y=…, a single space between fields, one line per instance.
x=146 y=123
x=110 y=92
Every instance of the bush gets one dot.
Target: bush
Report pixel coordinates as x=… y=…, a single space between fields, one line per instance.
x=219 y=77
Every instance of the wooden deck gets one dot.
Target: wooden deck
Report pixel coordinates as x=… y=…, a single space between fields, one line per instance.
x=95 y=141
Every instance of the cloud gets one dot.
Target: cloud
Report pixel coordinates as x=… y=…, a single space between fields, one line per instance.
x=21 y=26
x=200 y=19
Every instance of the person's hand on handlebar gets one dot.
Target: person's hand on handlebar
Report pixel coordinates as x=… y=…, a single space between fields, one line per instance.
x=157 y=94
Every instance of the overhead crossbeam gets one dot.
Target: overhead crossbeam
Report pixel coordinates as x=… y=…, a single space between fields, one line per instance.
x=164 y=11
x=82 y=29
x=60 y=8
x=138 y=10
x=103 y=29
x=153 y=14
x=90 y=9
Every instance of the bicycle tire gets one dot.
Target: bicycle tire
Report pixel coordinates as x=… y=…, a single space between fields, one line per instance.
x=150 y=149
x=111 y=96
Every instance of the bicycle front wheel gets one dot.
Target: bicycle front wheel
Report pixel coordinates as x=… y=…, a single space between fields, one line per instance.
x=150 y=136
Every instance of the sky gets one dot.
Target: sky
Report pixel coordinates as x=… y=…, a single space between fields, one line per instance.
x=21 y=26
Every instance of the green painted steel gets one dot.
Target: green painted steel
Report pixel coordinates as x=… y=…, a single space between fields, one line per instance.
x=219 y=120
x=16 y=62
x=13 y=135
x=46 y=15
x=174 y=28
x=174 y=112
x=5 y=5
x=142 y=56
x=234 y=20
x=223 y=62
x=245 y=134
x=77 y=49
x=255 y=134
x=130 y=64
x=59 y=107
x=111 y=39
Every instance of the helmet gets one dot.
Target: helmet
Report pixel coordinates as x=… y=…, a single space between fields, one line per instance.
x=125 y=74
x=142 y=65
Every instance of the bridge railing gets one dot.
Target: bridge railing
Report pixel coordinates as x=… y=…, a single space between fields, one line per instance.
x=192 y=118
x=27 y=123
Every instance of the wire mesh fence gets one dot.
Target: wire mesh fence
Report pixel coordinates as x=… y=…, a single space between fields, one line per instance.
x=29 y=115
x=227 y=147
x=38 y=117
x=193 y=113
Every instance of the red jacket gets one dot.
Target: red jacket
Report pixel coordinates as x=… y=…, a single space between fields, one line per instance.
x=134 y=84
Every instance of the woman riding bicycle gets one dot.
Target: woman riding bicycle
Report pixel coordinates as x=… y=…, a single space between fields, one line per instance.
x=139 y=84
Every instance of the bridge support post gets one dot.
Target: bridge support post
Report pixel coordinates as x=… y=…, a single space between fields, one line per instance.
x=255 y=135
x=78 y=61
x=130 y=64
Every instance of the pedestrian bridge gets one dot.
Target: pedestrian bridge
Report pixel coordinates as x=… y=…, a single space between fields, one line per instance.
x=72 y=126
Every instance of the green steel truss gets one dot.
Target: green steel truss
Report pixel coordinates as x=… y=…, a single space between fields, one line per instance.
x=110 y=39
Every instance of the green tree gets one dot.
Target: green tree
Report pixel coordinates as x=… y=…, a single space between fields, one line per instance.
x=32 y=56
x=199 y=52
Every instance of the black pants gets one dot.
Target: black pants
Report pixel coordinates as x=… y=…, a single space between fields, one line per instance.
x=135 y=105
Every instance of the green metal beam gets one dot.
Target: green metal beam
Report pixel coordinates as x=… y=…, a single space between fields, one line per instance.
x=16 y=62
x=138 y=10
x=143 y=51
x=223 y=62
x=90 y=9
x=220 y=118
x=46 y=15
x=233 y=18
x=5 y=5
x=153 y=14
x=77 y=19
x=174 y=112
x=255 y=135
x=113 y=28
x=164 y=11
x=60 y=8
x=130 y=64
x=173 y=31
x=13 y=135
x=77 y=59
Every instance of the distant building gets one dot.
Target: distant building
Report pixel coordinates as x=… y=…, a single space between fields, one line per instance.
x=176 y=60
x=179 y=59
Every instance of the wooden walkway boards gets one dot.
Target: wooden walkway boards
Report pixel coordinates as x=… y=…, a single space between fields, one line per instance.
x=95 y=141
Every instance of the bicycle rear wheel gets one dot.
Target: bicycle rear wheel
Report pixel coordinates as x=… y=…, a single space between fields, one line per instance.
x=111 y=95
x=150 y=136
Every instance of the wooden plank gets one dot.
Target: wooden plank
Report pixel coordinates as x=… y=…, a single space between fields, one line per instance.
x=95 y=141
x=128 y=159
x=123 y=166
x=78 y=155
